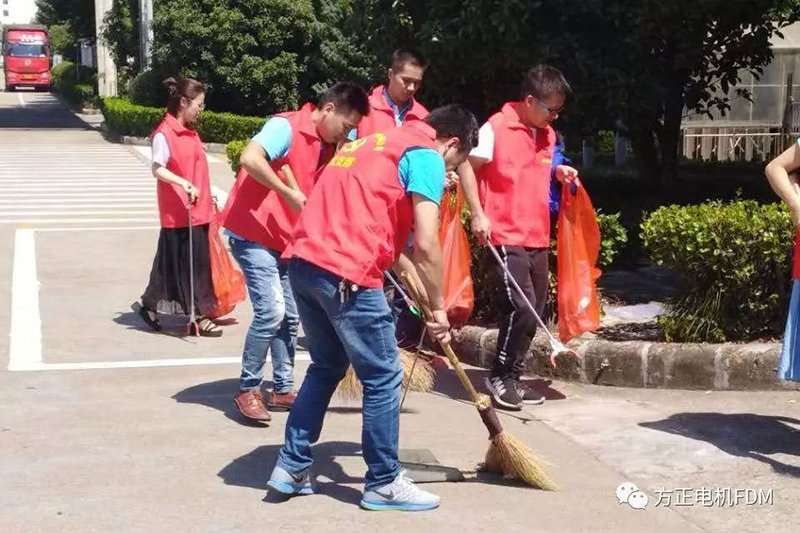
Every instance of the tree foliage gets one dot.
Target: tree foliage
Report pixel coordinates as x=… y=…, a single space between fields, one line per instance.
x=77 y=14
x=121 y=33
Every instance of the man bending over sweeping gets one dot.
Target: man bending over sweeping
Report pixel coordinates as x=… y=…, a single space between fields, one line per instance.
x=354 y=227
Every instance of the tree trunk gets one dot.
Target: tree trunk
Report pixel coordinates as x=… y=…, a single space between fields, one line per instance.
x=643 y=141
x=670 y=134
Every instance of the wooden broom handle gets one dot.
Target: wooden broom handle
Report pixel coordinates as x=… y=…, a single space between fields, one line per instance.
x=290 y=179
x=448 y=351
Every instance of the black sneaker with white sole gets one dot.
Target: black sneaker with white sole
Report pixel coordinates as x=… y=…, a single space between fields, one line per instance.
x=528 y=395
x=504 y=393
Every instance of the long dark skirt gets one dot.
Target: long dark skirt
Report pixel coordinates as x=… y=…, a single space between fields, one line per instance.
x=169 y=288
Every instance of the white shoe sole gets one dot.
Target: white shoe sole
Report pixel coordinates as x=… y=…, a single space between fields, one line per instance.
x=533 y=402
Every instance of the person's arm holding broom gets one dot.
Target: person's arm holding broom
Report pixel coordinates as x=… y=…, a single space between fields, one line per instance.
x=427 y=260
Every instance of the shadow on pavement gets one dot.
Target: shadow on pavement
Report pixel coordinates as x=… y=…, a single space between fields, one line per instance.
x=253 y=470
x=447 y=383
x=219 y=395
x=741 y=435
x=40 y=112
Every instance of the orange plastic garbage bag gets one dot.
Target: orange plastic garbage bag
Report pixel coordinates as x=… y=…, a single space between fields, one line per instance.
x=459 y=297
x=228 y=281
x=577 y=250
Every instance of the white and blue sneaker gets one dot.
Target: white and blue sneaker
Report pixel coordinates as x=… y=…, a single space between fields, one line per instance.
x=399 y=495
x=291 y=484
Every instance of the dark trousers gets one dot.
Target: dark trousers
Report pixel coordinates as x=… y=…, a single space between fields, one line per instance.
x=528 y=266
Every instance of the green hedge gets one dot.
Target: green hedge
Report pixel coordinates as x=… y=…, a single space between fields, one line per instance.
x=736 y=259
x=126 y=118
x=226 y=127
x=234 y=150
x=76 y=84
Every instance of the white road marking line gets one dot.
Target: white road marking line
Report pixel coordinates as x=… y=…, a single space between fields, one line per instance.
x=36 y=221
x=78 y=206
x=72 y=213
x=26 y=325
x=67 y=188
x=74 y=182
x=94 y=228
x=73 y=201
x=147 y=363
x=147 y=151
x=21 y=100
x=119 y=193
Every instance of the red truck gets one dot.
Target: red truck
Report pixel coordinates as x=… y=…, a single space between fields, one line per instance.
x=26 y=57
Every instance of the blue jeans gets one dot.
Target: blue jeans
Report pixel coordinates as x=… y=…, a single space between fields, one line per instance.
x=360 y=331
x=275 y=319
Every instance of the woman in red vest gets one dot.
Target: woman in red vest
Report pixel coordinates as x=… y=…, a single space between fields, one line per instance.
x=180 y=166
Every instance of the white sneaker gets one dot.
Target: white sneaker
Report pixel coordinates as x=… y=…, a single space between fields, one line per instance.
x=291 y=484
x=399 y=495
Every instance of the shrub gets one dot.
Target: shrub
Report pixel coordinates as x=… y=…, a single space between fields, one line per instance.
x=146 y=90
x=226 y=127
x=605 y=142
x=735 y=258
x=75 y=83
x=126 y=118
x=234 y=150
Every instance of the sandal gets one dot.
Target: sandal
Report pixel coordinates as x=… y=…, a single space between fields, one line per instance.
x=145 y=314
x=207 y=328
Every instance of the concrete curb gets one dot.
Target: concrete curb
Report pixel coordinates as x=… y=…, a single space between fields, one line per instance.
x=641 y=364
x=212 y=148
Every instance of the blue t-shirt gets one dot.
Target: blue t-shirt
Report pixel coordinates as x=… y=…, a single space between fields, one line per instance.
x=275 y=138
x=421 y=171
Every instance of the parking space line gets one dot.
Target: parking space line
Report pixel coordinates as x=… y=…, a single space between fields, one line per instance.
x=25 y=348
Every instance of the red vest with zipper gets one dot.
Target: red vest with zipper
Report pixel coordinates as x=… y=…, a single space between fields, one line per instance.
x=358 y=218
x=381 y=115
x=187 y=159
x=514 y=186
x=259 y=214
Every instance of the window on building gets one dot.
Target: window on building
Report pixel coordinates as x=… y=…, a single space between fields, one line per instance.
x=5 y=12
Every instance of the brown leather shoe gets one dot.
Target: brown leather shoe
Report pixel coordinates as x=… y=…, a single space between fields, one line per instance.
x=281 y=402
x=251 y=405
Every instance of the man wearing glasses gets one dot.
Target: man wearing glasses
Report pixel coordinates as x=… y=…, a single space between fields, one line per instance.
x=508 y=195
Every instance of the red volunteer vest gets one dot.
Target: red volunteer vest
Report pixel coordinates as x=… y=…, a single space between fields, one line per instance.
x=187 y=159
x=357 y=220
x=259 y=214
x=514 y=186
x=381 y=115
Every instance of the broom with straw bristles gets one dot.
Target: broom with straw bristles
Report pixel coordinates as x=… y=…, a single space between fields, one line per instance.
x=506 y=454
x=418 y=374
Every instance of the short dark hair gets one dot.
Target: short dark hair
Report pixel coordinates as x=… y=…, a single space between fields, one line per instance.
x=185 y=87
x=347 y=97
x=542 y=80
x=405 y=55
x=455 y=121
